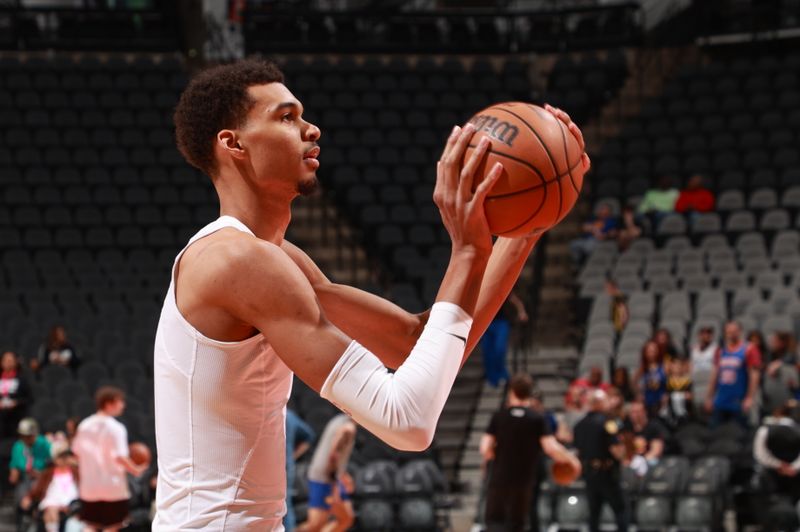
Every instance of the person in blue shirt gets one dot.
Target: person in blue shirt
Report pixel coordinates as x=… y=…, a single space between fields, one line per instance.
x=299 y=437
x=652 y=379
x=602 y=227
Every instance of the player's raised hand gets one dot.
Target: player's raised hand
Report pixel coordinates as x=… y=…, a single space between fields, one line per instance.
x=574 y=129
x=462 y=209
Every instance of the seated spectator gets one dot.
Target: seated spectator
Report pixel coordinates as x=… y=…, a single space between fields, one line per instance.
x=622 y=382
x=734 y=378
x=780 y=379
x=629 y=228
x=652 y=378
x=703 y=351
x=15 y=394
x=56 y=350
x=695 y=198
x=756 y=340
x=658 y=202
x=644 y=438
x=29 y=456
x=579 y=391
x=616 y=404
x=679 y=392
x=603 y=226
x=776 y=448
x=54 y=491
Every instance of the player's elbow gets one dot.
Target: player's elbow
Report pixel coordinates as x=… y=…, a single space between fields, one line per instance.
x=415 y=438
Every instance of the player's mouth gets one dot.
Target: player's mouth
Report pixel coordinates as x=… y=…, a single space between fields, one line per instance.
x=310 y=157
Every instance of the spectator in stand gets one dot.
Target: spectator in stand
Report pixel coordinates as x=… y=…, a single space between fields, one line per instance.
x=658 y=202
x=603 y=226
x=777 y=448
x=679 y=392
x=703 y=351
x=56 y=350
x=15 y=394
x=515 y=440
x=734 y=378
x=622 y=382
x=494 y=342
x=695 y=198
x=616 y=405
x=55 y=490
x=102 y=448
x=619 y=306
x=780 y=380
x=652 y=379
x=668 y=349
x=580 y=389
x=645 y=438
x=329 y=483
x=629 y=229
x=29 y=456
x=299 y=436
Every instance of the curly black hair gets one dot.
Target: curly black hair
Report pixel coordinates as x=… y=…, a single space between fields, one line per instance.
x=217 y=99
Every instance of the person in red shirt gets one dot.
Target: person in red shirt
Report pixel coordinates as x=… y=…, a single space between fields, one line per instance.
x=695 y=198
x=579 y=391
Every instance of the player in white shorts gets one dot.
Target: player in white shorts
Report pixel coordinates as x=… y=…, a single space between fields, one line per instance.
x=246 y=309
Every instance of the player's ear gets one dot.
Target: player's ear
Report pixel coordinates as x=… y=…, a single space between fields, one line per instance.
x=229 y=141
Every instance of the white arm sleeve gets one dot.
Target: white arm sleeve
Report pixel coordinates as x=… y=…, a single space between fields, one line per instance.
x=403 y=408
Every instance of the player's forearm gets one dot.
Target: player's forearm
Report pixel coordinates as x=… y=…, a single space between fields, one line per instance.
x=385 y=329
x=461 y=284
x=505 y=264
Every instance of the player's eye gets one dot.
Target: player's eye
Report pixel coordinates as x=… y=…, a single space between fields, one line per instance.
x=288 y=117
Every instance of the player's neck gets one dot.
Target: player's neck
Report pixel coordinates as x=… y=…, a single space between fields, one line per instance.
x=266 y=215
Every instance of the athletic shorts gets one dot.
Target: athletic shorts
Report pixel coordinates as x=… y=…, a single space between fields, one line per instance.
x=104 y=514
x=319 y=491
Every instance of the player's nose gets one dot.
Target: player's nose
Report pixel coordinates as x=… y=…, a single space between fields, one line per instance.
x=312 y=133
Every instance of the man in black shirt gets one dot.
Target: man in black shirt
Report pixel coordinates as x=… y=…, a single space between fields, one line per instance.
x=644 y=437
x=600 y=450
x=515 y=440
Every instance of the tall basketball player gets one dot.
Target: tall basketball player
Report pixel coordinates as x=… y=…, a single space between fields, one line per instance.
x=246 y=309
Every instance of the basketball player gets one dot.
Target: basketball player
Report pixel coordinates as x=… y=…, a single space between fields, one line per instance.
x=246 y=309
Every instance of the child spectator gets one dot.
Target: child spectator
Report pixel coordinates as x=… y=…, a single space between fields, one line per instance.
x=679 y=392
x=15 y=394
x=55 y=490
x=29 y=456
x=695 y=198
x=652 y=379
x=603 y=226
x=56 y=350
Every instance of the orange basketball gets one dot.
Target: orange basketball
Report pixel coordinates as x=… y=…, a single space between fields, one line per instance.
x=140 y=453
x=543 y=173
x=563 y=473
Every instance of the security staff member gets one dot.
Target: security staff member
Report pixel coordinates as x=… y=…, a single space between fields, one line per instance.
x=600 y=451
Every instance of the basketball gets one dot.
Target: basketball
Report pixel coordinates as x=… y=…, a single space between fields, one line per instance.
x=563 y=473
x=543 y=174
x=139 y=453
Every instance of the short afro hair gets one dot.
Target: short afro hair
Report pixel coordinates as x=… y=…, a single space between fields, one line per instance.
x=217 y=99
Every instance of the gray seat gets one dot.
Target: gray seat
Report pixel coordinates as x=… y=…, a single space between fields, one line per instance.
x=653 y=512
x=789 y=266
x=763 y=198
x=694 y=513
x=676 y=244
x=599 y=347
x=791 y=197
x=714 y=242
x=676 y=328
x=641 y=304
x=672 y=224
x=775 y=220
x=572 y=510
x=777 y=323
x=730 y=200
x=740 y=221
x=753 y=265
x=629 y=283
x=662 y=284
x=601 y=330
x=707 y=223
x=768 y=280
x=781 y=298
x=697 y=282
x=785 y=244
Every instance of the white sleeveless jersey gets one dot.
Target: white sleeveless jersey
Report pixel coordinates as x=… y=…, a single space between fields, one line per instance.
x=220 y=425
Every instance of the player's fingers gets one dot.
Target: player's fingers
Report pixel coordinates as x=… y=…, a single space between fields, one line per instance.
x=437 y=189
x=488 y=182
x=578 y=134
x=452 y=163
x=587 y=162
x=467 y=177
x=450 y=141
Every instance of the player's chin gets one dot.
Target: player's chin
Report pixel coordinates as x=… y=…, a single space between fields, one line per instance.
x=308 y=185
